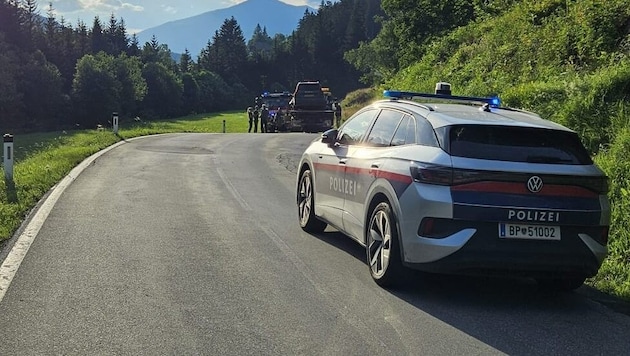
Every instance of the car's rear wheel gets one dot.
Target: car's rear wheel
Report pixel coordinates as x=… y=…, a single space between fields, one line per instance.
x=306 y=204
x=564 y=284
x=383 y=252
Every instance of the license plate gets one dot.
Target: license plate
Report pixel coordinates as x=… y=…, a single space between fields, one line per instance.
x=534 y=232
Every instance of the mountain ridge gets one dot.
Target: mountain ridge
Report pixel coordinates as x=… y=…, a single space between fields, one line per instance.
x=273 y=15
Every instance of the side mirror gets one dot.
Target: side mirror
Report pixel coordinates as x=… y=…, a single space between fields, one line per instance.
x=329 y=137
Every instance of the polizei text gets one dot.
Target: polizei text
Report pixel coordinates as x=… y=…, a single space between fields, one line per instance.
x=533 y=215
x=344 y=186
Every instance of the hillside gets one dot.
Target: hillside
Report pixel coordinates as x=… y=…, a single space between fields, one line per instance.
x=568 y=61
x=193 y=33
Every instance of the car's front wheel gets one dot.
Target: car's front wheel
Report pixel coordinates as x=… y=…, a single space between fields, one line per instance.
x=306 y=204
x=383 y=252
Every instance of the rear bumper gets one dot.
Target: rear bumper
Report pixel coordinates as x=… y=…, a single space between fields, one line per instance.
x=478 y=249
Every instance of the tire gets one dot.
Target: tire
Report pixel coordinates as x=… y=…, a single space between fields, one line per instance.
x=565 y=284
x=306 y=203
x=383 y=251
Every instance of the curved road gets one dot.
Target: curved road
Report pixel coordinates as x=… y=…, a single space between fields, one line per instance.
x=189 y=244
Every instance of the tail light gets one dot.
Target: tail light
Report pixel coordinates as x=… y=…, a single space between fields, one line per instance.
x=445 y=175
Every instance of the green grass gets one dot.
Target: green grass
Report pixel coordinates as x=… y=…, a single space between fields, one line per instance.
x=43 y=159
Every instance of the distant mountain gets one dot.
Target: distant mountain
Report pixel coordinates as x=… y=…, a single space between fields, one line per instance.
x=193 y=33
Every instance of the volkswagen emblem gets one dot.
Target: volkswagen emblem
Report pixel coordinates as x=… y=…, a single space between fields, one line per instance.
x=534 y=184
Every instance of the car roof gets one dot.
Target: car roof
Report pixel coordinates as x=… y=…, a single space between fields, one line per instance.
x=441 y=114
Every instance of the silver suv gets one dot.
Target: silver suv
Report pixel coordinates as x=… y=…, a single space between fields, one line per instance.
x=454 y=184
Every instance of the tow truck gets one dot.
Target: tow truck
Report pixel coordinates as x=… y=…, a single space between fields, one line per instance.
x=308 y=109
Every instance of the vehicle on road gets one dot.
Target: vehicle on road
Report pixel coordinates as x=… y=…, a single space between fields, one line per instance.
x=309 y=109
x=452 y=184
x=278 y=104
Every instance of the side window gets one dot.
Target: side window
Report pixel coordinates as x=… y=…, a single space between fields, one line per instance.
x=406 y=132
x=384 y=128
x=356 y=127
x=426 y=133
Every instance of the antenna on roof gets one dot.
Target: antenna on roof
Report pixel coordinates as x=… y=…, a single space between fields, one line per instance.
x=443 y=88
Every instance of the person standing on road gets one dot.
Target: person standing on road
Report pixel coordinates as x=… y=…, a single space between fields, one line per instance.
x=336 y=106
x=250 y=116
x=256 y=114
x=264 y=116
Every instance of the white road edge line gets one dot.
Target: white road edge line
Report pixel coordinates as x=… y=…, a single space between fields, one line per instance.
x=14 y=259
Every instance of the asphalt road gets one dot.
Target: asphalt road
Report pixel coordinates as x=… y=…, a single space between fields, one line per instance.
x=189 y=244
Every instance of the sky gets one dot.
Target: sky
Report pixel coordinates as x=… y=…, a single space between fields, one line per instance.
x=139 y=14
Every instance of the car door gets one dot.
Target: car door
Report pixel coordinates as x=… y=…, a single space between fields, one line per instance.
x=364 y=162
x=330 y=181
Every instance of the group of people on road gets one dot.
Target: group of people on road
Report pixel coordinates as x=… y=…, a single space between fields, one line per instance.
x=261 y=113
x=254 y=114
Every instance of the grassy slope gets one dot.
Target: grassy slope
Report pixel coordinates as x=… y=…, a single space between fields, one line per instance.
x=564 y=61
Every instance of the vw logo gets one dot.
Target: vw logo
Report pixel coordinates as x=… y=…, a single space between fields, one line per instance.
x=534 y=184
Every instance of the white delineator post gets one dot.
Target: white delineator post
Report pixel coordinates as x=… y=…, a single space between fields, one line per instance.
x=8 y=157
x=115 y=122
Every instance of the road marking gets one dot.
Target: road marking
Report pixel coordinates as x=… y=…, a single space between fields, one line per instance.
x=230 y=187
x=24 y=241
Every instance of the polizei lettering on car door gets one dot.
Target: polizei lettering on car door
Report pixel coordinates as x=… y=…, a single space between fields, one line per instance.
x=343 y=186
x=533 y=215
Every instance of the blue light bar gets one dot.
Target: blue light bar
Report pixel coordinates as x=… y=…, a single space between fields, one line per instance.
x=396 y=94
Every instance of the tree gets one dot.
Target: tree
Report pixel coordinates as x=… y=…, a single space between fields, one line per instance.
x=190 y=93
x=260 y=43
x=415 y=23
x=104 y=84
x=227 y=53
x=154 y=52
x=10 y=22
x=133 y=87
x=164 y=91
x=41 y=85
x=376 y=59
x=185 y=62
x=31 y=21
x=134 y=47
x=11 y=99
x=116 y=36
x=96 y=37
x=95 y=89
x=214 y=92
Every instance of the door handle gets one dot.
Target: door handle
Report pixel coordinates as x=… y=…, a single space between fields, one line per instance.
x=343 y=161
x=374 y=169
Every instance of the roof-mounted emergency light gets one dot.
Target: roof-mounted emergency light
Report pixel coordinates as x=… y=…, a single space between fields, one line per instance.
x=442 y=91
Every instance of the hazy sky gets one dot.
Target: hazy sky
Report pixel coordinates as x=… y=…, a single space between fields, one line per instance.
x=139 y=14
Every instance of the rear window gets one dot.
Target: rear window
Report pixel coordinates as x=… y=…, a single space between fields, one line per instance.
x=516 y=144
x=308 y=88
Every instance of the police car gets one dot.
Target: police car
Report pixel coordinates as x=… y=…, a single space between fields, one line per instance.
x=461 y=185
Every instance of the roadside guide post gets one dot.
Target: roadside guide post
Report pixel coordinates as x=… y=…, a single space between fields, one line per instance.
x=8 y=157
x=115 y=122
x=223 y=126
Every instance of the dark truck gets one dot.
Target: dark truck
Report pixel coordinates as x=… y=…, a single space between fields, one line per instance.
x=309 y=109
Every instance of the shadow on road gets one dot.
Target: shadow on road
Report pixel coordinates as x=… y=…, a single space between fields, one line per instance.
x=511 y=314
